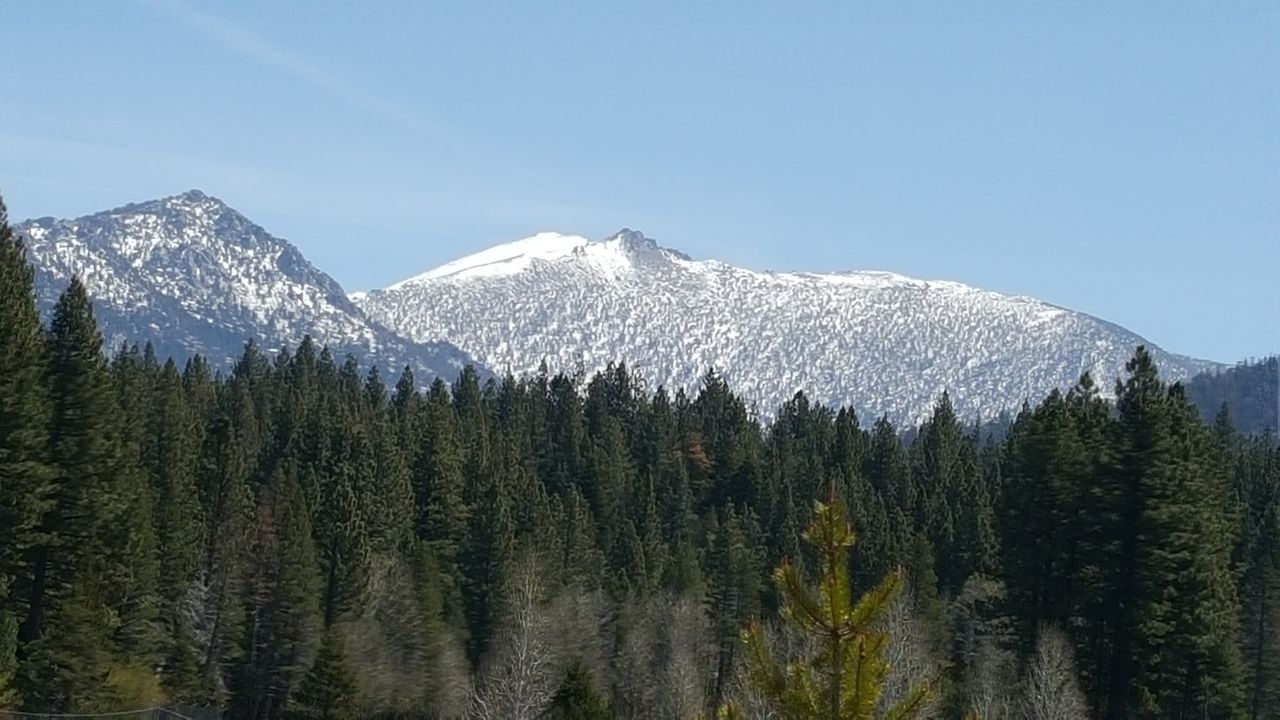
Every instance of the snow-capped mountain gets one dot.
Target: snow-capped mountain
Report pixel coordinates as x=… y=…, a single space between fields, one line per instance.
x=879 y=341
x=192 y=275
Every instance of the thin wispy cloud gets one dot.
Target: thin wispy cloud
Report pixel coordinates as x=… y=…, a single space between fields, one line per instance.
x=248 y=44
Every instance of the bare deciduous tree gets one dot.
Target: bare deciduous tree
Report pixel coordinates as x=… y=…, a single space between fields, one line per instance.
x=581 y=619
x=688 y=658
x=910 y=656
x=1051 y=690
x=521 y=676
x=636 y=656
x=664 y=660
x=397 y=647
x=991 y=682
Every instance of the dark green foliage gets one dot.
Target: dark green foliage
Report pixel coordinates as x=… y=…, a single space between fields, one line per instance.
x=1257 y=479
x=8 y=661
x=442 y=513
x=229 y=455
x=1045 y=497
x=172 y=465
x=342 y=537
x=85 y=578
x=951 y=505
x=329 y=690
x=735 y=578
x=282 y=603
x=388 y=500
x=577 y=698
x=923 y=581
x=1122 y=529
x=1170 y=648
x=581 y=560
x=25 y=476
x=486 y=563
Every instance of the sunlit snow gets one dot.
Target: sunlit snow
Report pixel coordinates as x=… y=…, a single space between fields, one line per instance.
x=883 y=342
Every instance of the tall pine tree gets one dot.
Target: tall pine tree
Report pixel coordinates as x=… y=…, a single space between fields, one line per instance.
x=25 y=476
x=78 y=565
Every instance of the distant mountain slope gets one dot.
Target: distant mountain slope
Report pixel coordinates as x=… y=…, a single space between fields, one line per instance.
x=1251 y=391
x=880 y=341
x=192 y=275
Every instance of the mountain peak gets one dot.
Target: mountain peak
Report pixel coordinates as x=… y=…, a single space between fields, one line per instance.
x=636 y=242
x=630 y=237
x=193 y=275
x=611 y=255
x=881 y=342
x=503 y=259
x=195 y=201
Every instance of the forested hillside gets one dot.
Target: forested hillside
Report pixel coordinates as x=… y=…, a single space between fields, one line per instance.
x=1250 y=389
x=305 y=538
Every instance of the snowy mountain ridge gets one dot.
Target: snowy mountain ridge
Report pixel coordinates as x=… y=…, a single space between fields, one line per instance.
x=882 y=342
x=192 y=275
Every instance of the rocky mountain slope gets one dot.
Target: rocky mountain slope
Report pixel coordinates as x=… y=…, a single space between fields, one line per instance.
x=879 y=341
x=192 y=275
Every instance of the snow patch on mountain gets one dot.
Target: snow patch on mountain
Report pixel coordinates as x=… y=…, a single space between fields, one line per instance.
x=504 y=259
x=882 y=342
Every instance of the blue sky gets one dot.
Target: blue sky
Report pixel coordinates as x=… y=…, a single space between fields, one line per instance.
x=1117 y=158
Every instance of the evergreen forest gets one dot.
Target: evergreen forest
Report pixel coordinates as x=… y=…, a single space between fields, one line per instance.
x=301 y=537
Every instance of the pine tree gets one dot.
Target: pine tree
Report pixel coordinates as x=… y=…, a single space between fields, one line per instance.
x=486 y=562
x=563 y=466
x=78 y=568
x=1041 y=512
x=649 y=527
x=939 y=473
x=438 y=479
x=581 y=560
x=329 y=690
x=976 y=498
x=923 y=581
x=627 y=563
x=341 y=534
x=134 y=378
x=1258 y=556
x=879 y=552
x=387 y=495
x=1171 y=642
x=1201 y=661
x=282 y=610
x=734 y=568
x=201 y=391
x=25 y=476
x=179 y=531
x=730 y=440
x=230 y=454
x=1130 y=583
x=609 y=479
x=843 y=676
x=887 y=469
